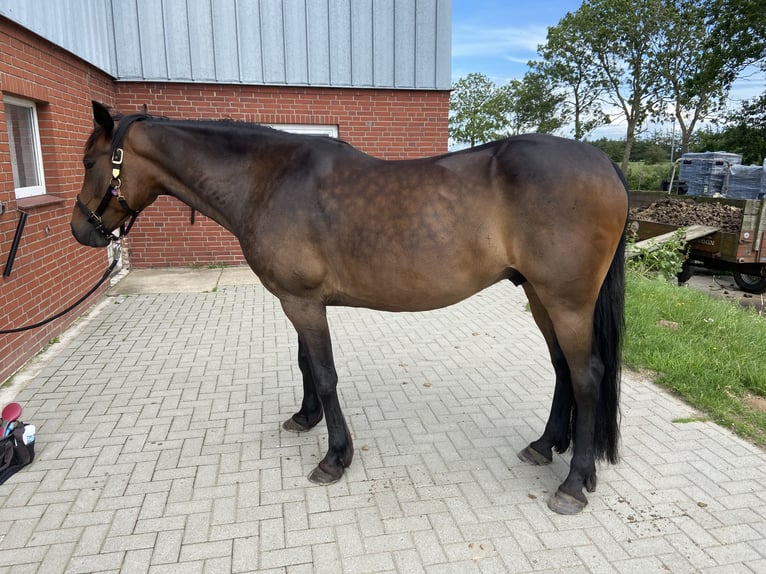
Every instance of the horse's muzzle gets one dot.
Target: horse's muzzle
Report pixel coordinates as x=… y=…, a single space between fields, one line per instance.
x=86 y=235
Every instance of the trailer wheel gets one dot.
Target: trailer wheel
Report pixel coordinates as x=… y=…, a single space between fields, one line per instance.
x=750 y=283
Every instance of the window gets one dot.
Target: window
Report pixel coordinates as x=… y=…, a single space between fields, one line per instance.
x=24 y=141
x=305 y=129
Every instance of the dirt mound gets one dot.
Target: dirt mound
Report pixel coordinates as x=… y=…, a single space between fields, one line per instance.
x=685 y=212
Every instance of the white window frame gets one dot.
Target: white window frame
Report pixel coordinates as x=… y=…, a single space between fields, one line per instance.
x=31 y=190
x=308 y=129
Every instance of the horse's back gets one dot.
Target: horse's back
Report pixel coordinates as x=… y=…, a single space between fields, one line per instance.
x=535 y=171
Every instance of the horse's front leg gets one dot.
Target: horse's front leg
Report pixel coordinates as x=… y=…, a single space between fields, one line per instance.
x=310 y=412
x=557 y=434
x=310 y=321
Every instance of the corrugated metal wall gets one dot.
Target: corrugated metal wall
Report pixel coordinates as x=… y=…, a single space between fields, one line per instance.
x=83 y=27
x=359 y=43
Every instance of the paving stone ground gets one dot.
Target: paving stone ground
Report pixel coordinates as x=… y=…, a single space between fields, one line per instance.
x=159 y=449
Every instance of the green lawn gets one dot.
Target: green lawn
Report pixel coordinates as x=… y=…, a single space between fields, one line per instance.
x=710 y=352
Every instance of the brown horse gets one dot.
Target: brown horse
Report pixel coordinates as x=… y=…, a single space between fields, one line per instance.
x=321 y=223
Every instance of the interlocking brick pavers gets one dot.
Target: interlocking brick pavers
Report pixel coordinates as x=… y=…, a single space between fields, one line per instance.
x=160 y=450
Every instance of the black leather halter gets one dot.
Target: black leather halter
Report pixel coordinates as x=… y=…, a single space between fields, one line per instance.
x=113 y=189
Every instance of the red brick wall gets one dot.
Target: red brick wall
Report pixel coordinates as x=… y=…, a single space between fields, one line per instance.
x=391 y=124
x=51 y=269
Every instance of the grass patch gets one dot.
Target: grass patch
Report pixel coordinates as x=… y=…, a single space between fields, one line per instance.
x=685 y=420
x=710 y=352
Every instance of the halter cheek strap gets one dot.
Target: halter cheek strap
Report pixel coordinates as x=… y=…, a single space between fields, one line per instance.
x=113 y=190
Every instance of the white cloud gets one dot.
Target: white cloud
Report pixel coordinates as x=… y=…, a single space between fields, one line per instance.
x=507 y=42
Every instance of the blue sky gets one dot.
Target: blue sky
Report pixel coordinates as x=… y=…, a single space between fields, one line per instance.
x=498 y=37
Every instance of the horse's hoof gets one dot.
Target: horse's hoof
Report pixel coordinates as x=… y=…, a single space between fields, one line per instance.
x=322 y=476
x=563 y=503
x=531 y=456
x=299 y=423
x=294 y=426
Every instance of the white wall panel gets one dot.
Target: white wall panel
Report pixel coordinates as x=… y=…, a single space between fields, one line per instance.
x=365 y=43
x=318 y=17
x=127 y=39
x=177 y=42
x=362 y=51
x=249 y=41
x=152 y=34
x=200 y=18
x=273 y=42
x=84 y=27
x=296 y=42
x=225 y=44
x=383 y=43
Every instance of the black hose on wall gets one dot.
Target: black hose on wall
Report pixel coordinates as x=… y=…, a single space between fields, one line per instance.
x=15 y=245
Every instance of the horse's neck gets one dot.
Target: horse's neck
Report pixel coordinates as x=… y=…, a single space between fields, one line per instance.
x=212 y=177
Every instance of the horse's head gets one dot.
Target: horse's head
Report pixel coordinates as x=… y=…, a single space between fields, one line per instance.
x=110 y=196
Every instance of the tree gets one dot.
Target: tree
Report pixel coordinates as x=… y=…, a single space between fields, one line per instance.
x=477 y=110
x=692 y=82
x=568 y=64
x=737 y=36
x=534 y=105
x=613 y=148
x=745 y=133
x=605 y=55
x=651 y=59
x=752 y=113
x=622 y=37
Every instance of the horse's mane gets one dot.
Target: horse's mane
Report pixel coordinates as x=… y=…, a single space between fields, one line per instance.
x=98 y=131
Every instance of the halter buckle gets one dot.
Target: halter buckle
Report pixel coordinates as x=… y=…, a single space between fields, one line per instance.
x=116 y=163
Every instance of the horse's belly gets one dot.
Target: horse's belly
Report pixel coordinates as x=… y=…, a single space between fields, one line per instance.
x=413 y=290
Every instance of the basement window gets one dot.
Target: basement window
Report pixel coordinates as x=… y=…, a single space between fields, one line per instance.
x=24 y=141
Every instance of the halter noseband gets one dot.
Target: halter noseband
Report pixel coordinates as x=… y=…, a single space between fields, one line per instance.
x=113 y=189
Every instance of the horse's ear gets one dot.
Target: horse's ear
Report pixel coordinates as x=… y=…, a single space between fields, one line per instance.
x=144 y=109
x=102 y=116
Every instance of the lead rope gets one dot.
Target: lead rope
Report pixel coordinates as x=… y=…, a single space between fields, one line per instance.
x=95 y=219
x=106 y=275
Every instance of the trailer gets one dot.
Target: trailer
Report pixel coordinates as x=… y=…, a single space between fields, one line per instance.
x=739 y=249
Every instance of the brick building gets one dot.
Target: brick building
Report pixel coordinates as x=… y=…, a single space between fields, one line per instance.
x=375 y=74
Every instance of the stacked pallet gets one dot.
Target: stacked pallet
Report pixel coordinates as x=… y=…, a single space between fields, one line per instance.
x=721 y=174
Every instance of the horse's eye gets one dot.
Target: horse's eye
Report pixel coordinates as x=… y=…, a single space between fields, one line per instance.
x=88 y=163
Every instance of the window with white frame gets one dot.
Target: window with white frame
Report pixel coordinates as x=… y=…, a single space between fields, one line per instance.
x=308 y=129
x=24 y=141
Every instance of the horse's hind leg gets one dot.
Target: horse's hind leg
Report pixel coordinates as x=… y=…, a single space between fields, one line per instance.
x=557 y=433
x=568 y=331
x=310 y=321
x=310 y=412
x=575 y=334
x=569 y=498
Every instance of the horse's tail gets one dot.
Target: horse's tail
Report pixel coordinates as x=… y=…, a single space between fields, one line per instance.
x=608 y=328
